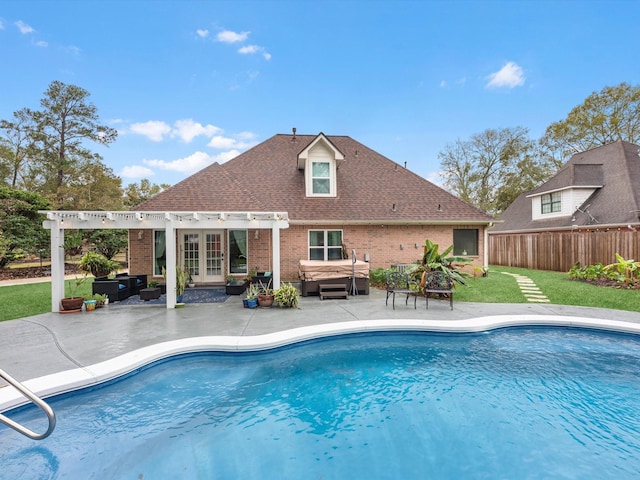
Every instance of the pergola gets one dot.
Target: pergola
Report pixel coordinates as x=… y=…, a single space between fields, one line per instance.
x=170 y=222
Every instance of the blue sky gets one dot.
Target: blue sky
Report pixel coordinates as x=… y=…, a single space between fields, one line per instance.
x=187 y=83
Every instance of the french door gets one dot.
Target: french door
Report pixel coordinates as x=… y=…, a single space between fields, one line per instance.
x=202 y=254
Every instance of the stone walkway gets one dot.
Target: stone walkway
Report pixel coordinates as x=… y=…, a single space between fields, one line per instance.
x=529 y=289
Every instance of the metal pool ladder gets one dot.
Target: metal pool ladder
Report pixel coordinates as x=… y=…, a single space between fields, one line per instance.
x=51 y=416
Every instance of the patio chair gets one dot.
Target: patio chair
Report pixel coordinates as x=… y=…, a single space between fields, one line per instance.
x=399 y=283
x=440 y=283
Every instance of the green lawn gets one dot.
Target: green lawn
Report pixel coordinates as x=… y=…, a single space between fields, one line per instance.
x=500 y=288
x=17 y=301
x=33 y=299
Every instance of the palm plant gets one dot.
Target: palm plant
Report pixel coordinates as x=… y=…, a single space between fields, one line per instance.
x=432 y=260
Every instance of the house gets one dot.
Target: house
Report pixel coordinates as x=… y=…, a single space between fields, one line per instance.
x=587 y=212
x=339 y=196
x=291 y=198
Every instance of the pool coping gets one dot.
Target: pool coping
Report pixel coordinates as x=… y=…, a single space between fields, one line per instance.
x=97 y=373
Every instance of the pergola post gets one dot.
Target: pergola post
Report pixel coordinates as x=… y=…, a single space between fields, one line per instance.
x=275 y=236
x=170 y=249
x=57 y=263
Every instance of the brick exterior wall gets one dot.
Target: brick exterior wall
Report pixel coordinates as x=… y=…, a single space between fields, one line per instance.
x=381 y=242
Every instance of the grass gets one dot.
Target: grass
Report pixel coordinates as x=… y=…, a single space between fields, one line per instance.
x=500 y=288
x=33 y=299
x=18 y=301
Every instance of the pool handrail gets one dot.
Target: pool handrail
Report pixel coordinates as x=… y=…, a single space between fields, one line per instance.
x=51 y=416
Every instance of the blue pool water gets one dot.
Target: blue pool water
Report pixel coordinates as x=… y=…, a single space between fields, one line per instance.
x=513 y=404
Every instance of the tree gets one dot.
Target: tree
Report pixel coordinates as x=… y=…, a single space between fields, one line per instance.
x=65 y=122
x=109 y=242
x=604 y=117
x=14 y=147
x=477 y=170
x=135 y=194
x=20 y=224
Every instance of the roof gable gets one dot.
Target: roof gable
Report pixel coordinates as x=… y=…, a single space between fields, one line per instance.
x=322 y=140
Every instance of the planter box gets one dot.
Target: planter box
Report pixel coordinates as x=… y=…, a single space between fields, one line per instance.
x=236 y=288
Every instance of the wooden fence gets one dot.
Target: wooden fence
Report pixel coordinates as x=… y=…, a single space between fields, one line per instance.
x=559 y=251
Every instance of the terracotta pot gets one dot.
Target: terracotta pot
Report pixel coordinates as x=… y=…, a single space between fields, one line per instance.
x=72 y=303
x=265 y=300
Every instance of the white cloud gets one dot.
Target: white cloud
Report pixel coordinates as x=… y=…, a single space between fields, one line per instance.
x=41 y=43
x=192 y=163
x=227 y=36
x=437 y=178
x=202 y=33
x=226 y=156
x=253 y=49
x=222 y=143
x=443 y=84
x=187 y=130
x=23 y=27
x=249 y=49
x=242 y=141
x=153 y=130
x=510 y=76
x=136 y=171
x=187 y=165
x=1 y=25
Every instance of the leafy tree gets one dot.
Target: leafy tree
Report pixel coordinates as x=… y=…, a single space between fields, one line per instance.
x=135 y=194
x=65 y=122
x=95 y=187
x=20 y=224
x=605 y=116
x=478 y=170
x=109 y=242
x=15 y=145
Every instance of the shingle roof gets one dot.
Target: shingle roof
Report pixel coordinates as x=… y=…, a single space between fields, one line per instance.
x=266 y=178
x=613 y=168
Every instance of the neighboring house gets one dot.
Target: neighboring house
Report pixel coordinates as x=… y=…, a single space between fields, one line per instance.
x=339 y=196
x=587 y=212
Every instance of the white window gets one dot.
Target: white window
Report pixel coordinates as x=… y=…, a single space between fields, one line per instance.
x=551 y=202
x=325 y=244
x=321 y=178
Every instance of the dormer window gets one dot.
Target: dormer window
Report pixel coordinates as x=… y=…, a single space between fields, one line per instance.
x=321 y=178
x=320 y=160
x=551 y=202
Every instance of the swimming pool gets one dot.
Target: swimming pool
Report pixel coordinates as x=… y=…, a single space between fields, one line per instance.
x=512 y=403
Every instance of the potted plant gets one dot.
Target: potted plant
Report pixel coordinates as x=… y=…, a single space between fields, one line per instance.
x=73 y=302
x=101 y=299
x=90 y=303
x=181 y=282
x=265 y=297
x=97 y=264
x=286 y=296
x=251 y=301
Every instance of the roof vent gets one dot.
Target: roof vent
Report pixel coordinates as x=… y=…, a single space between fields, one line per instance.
x=294 y=134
